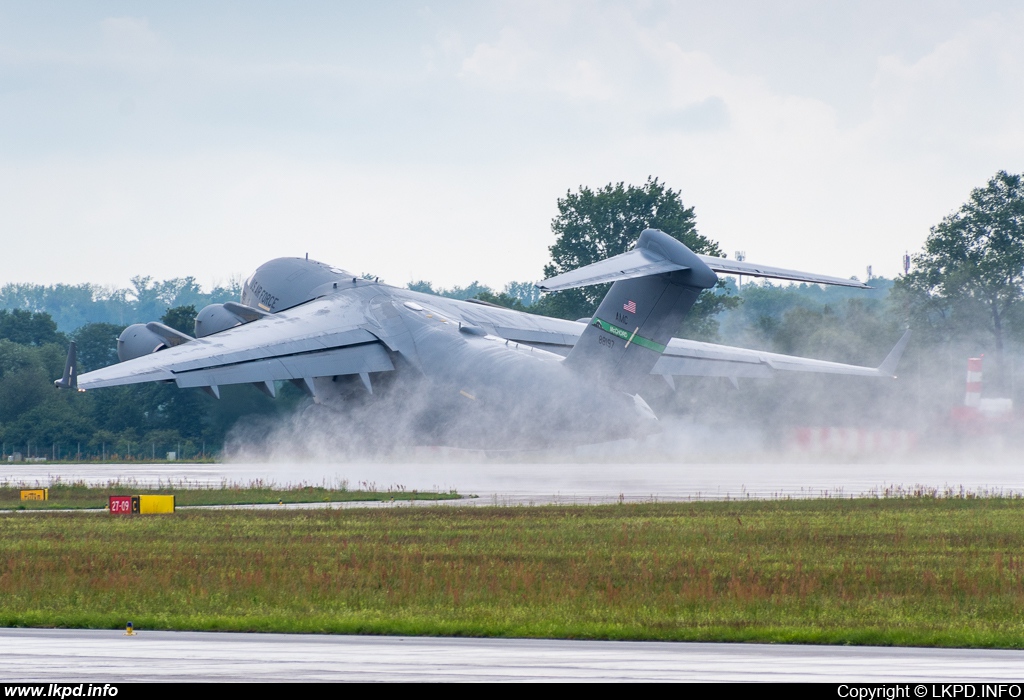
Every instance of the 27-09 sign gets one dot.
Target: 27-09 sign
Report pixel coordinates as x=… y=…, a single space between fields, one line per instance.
x=121 y=504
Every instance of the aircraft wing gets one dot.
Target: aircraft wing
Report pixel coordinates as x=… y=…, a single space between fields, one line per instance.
x=553 y=334
x=314 y=340
x=693 y=358
x=681 y=357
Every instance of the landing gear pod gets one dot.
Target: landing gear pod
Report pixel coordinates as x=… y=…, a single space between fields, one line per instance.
x=137 y=340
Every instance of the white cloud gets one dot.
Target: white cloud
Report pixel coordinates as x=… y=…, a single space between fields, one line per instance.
x=498 y=63
x=525 y=61
x=130 y=39
x=966 y=93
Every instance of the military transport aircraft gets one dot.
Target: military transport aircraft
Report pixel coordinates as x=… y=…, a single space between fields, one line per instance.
x=468 y=372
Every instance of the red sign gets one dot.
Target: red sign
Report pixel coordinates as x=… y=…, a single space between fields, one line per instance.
x=121 y=505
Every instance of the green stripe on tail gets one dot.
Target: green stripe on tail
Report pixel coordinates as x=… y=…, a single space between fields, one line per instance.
x=628 y=336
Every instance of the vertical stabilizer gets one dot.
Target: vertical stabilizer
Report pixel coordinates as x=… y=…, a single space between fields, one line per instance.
x=639 y=315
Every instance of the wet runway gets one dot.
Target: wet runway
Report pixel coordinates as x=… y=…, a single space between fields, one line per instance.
x=498 y=482
x=109 y=656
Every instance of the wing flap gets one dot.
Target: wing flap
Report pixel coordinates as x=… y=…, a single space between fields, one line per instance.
x=312 y=343
x=704 y=367
x=693 y=358
x=328 y=363
x=533 y=336
x=128 y=375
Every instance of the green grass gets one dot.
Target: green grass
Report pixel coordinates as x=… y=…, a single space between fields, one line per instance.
x=942 y=572
x=80 y=495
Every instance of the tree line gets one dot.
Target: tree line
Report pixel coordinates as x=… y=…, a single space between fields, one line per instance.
x=72 y=306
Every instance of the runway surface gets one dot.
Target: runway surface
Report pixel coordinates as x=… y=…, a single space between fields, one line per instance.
x=109 y=656
x=569 y=482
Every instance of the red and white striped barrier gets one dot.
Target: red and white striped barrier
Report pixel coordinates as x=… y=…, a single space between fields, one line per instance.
x=972 y=397
x=851 y=440
x=976 y=410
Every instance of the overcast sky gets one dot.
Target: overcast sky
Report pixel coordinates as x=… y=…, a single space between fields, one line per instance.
x=431 y=140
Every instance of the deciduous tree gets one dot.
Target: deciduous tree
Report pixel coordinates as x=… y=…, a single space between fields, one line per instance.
x=28 y=328
x=97 y=345
x=181 y=318
x=596 y=224
x=970 y=276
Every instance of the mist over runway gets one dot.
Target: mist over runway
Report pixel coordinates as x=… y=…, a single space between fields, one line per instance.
x=538 y=482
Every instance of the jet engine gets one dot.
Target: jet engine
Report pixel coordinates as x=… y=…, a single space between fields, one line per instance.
x=214 y=319
x=137 y=340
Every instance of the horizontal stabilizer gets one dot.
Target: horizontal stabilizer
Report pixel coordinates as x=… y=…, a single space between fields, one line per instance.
x=639 y=262
x=735 y=267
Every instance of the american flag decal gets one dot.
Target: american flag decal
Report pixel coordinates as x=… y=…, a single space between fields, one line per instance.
x=630 y=306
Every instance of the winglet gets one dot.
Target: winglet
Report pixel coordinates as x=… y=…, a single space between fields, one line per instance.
x=70 y=378
x=888 y=366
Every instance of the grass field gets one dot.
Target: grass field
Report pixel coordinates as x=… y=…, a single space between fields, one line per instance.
x=922 y=571
x=80 y=495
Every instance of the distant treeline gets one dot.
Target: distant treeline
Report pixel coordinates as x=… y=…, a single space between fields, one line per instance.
x=142 y=421
x=74 y=305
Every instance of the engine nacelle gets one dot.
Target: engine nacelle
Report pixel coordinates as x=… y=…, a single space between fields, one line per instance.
x=214 y=319
x=137 y=340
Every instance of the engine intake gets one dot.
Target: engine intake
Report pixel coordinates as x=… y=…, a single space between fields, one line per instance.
x=136 y=340
x=214 y=319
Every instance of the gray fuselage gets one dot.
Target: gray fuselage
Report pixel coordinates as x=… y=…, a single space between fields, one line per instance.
x=455 y=381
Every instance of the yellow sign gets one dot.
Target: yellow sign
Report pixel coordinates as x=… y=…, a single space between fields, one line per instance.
x=35 y=494
x=156 y=504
